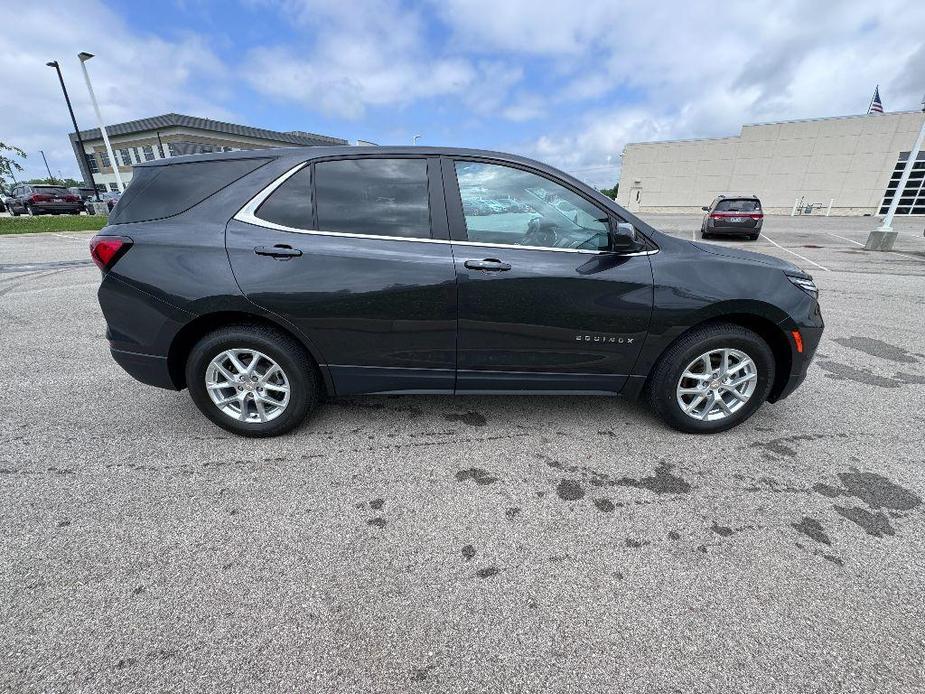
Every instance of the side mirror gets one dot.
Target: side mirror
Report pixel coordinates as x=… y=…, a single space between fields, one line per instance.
x=705 y=209
x=623 y=238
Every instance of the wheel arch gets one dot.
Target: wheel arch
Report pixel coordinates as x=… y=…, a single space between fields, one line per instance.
x=775 y=337
x=196 y=329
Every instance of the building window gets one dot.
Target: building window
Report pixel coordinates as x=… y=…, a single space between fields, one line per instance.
x=104 y=159
x=101 y=187
x=92 y=164
x=912 y=197
x=126 y=156
x=173 y=149
x=113 y=188
x=149 y=152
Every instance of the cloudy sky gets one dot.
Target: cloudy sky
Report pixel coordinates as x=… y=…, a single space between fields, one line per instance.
x=565 y=81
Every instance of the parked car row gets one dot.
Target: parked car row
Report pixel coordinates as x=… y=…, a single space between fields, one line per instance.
x=35 y=199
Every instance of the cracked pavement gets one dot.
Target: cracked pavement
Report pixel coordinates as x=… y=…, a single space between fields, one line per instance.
x=440 y=544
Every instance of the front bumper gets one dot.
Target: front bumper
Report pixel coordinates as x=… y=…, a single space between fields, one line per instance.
x=810 y=329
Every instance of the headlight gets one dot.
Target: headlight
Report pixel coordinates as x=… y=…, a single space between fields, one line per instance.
x=806 y=284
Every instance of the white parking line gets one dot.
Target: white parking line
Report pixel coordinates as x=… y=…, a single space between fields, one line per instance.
x=65 y=236
x=843 y=238
x=812 y=262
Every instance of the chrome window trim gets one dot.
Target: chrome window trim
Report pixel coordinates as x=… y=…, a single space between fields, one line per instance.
x=248 y=215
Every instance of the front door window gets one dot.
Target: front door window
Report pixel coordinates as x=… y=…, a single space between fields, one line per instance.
x=504 y=205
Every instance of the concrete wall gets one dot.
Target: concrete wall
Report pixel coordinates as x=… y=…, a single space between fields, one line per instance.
x=849 y=159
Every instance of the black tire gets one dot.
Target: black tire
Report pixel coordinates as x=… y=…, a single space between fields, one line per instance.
x=306 y=388
x=754 y=237
x=664 y=378
x=705 y=235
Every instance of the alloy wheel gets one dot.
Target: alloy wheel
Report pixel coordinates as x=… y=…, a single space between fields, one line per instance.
x=247 y=385
x=717 y=384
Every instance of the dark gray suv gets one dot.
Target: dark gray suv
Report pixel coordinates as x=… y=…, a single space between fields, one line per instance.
x=266 y=281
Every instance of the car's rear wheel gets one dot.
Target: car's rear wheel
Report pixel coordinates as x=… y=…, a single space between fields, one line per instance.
x=252 y=380
x=754 y=237
x=712 y=379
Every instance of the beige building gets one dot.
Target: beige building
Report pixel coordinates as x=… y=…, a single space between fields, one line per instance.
x=172 y=135
x=851 y=164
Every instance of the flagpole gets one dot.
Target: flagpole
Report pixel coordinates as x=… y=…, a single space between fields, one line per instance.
x=876 y=89
x=883 y=237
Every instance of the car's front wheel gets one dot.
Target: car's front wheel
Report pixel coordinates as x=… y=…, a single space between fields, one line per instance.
x=712 y=379
x=252 y=380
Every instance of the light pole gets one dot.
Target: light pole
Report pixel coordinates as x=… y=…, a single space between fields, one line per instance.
x=414 y=140
x=80 y=142
x=84 y=57
x=883 y=237
x=50 y=177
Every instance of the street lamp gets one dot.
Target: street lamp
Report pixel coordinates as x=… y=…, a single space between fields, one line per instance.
x=414 y=140
x=84 y=57
x=80 y=142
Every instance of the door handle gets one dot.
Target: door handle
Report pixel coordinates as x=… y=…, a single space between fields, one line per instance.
x=280 y=251
x=488 y=265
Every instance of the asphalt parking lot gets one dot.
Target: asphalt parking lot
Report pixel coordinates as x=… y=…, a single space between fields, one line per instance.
x=472 y=544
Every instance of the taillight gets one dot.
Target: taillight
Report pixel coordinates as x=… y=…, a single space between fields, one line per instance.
x=40 y=197
x=106 y=250
x=71 y=198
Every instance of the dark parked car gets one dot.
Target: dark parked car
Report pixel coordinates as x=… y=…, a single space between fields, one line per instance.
x=739 y=216
x=266 y=280
x=33 y=199
x=110 y=199
x=85 y=194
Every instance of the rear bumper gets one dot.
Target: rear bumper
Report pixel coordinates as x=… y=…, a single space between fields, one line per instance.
x=52 y=208
x=150 y=369
x=733 y=229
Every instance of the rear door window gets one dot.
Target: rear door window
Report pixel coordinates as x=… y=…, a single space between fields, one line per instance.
x=164 y=191
x=738 y=206
x=372 y=196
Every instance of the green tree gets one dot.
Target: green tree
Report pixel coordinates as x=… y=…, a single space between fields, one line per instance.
x=65 y=182
x=8 y=163
x=611 y=192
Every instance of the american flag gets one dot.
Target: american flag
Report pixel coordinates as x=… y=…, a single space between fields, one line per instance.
x=876 y=106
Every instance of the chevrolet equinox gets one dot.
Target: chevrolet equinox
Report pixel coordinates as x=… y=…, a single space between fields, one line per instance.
x=264 y=281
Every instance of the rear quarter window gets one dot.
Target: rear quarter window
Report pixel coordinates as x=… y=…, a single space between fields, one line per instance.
x=163 y=191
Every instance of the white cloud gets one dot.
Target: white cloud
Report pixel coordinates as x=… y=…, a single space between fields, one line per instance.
x=377 y=55
x=579 y=79
x=695 y=69
x=133 y=76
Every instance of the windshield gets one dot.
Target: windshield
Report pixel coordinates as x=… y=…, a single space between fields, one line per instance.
x=50 y=190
